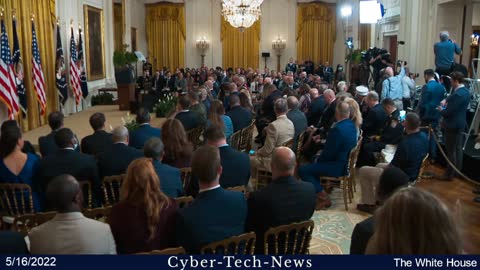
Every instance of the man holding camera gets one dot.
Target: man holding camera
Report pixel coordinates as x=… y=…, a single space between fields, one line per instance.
x=445 y=51
x=392 y=86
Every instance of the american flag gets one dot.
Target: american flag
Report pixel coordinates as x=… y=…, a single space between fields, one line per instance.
x=8 y=88
x=17 y=62
x=74 y=72
x=38 y=79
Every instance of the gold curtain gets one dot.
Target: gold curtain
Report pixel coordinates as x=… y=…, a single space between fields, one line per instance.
x=44 y=11
x=240 y=49
x=364 y=34
x=165 y=27
x=316 y=26
x=118 y=26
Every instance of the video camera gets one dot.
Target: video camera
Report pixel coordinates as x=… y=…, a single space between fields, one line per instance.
x=373 y=53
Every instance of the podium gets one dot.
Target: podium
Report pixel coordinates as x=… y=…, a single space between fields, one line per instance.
x=126 y=96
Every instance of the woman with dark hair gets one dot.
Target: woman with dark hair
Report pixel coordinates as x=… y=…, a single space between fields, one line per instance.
x=414 y=222
x=217 y=117
x=144 y=218
x=16 y=166
x=27 y=146
x=178 y=149
x=305 y=98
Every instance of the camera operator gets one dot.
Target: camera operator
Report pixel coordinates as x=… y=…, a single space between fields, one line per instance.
x=379 y=60
x=392 y=86
x=445 y=51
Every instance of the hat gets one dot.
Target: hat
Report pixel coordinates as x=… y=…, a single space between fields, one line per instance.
x=361 y=90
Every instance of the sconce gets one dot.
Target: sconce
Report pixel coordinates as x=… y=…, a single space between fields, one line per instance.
x=278 y=45
x=202 y=44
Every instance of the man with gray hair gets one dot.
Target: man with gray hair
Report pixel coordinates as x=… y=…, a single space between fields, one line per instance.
x=297 y=117
x=116 y=158
x=170 y=181
x=328 y=115
x=278 y=132
x=392 y=86
x=445 y=51
x=284 y=201
x=376 y=116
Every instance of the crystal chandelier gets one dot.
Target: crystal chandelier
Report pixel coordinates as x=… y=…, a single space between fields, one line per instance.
x=241 y=14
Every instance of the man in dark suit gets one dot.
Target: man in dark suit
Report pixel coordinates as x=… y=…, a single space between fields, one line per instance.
x=100 y=139
x=116 y=158
x=241 y=117
x=455 y=121
x=432 y=94
x=67 y=161
x=376 y=116
x=316 y=108
x=267 y=114
x=170 y=181
x=285 y=200
x=12 y=243
x=328 y=115
x=297 y=117
x=188 y=118
x=333 y=161
x=216 y=213
x=144 y=132
x=391 y=179
x=47 y=143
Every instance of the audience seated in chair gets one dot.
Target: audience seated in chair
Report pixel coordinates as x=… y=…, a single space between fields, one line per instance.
x=328 y=115
x=144 y=219
x=188 y=118
x=376 y=116
x=68 y=161
x=27 y=146
x=408 y=157
x=145 y=131
x=198 y=108
x=170 y=181
x=47 y=143
x=216 y=213
x=69 y=232
x=217 y=117
x=284 y=201
x=333 y=160
x=415 y=222
x=235 y=164
x=178 y=149
x=278 y=132
x=116 y=158
x=317 y=106
x=297 y=117
x=391 y=179
x=241 y=117
x=100 y=139
x=16 y=166
x=267 y=114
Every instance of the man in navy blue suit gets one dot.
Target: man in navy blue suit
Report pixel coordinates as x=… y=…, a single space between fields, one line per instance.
x=341 y=139
x=376 y=116
x=170 y=181
x=188 y=118
x=100 y=140
x=241 y=117
x=432 y=94
x=144 y=132
x=216 y=213
x=455 y=121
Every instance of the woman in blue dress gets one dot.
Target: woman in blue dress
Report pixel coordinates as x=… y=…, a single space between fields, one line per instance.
x=217 y=117
x=16 y=166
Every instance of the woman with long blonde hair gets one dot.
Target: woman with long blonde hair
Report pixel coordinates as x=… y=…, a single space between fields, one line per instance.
x=144 y=218
x=414 y=222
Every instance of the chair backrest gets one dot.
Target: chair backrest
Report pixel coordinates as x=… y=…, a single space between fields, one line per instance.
x=288 y=143
x=184 y=201
x=194 y=136
x=86 y=188
x=16 y=199
x=236 y=139
x=289 y=239
x=243 y=244
x=353 y=156
x=247 y=137
x=24 y=223
x=99 y=214
x=111 y=188
x=241 y=189
x=167 y=251
x=300 y=143
x=185 y=176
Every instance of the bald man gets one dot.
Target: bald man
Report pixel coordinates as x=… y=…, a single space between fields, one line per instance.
x=283 y=201
x=392 y=86
x=69 y=232
x=328 y=115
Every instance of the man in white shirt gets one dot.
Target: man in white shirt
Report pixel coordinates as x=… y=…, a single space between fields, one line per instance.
x=69 y=232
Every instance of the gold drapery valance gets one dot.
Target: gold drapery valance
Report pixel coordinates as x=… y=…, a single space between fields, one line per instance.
x=316 y=28
x=44 y=11
x=240 y=49
x=165 y=30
